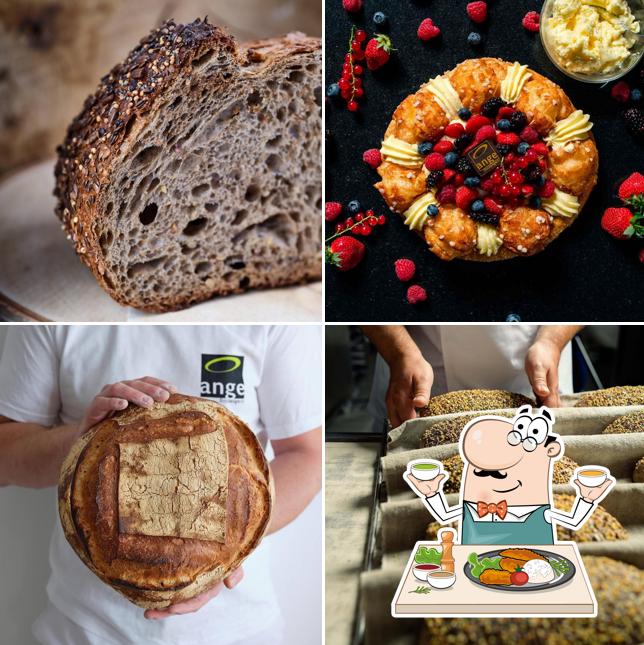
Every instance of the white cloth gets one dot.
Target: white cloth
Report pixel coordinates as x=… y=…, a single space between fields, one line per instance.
x=49 y=374
x=467 y=357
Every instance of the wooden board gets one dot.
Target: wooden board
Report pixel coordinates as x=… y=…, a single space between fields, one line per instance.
x=42 y=279
x=465 y=598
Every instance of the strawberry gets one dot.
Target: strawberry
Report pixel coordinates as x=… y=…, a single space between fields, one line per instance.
x=631 y=186
x=345 y=252
x=491 y=206
x=332 y=211
x=372 y=157
x=476 y=122
x=621 y=91
x=616 y=222
x=454 y=130
x=486 y=132
x=377 y=51
x=508 y=138
x=352 y=6
x=477 y=11
x=531 y=21
x=405 y=269
x=428 y=30
x=435 y=161
x=416 y=294
x=464 y=197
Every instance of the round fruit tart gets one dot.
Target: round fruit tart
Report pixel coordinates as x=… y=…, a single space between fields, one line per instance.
x=488 y=161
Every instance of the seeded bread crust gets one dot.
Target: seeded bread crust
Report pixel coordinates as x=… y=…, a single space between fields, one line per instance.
x=123 y=104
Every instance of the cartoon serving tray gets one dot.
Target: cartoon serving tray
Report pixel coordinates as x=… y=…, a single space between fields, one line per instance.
x=505 y=560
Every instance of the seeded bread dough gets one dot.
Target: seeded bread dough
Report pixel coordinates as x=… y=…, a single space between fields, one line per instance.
x=194 y=170
x=466 y=400
x=619 y=395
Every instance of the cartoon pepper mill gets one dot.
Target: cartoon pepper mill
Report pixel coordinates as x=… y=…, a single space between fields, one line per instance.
x=506 y=484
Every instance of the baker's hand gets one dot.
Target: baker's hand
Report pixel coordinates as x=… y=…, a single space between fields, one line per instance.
x=542 y=368
x=117 y=396
x=196 y=603
x=593 y=493
x=425 y=488
x=410 y=384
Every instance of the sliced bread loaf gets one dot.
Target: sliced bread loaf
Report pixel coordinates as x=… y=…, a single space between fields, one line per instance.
x=194 y=170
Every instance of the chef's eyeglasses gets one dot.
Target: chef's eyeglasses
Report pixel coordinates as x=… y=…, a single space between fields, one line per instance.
x=528 y=431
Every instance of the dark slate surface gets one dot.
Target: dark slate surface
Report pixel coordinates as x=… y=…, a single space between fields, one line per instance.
x=585 y=275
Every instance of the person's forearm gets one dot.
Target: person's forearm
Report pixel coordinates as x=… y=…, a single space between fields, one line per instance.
x=560 y=335
x=391 y=341
x=297 y=476
x=32 y=454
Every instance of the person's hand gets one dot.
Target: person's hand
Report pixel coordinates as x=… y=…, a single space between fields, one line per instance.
x=410 y=385
x=542 y=368
x=196 y=603
x=117 y=396
x=593 y=493
x=425 y=488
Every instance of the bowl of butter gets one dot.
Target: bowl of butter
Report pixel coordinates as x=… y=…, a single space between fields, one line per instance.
x=595 y=41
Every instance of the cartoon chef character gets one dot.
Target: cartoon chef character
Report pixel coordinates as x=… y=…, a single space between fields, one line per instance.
x=506 y=482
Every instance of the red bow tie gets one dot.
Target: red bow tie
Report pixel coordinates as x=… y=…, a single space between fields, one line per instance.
x=501 y=509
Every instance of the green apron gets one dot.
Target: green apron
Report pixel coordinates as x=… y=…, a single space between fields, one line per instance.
x=535 y=529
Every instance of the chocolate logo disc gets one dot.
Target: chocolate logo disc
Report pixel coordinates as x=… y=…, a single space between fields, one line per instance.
x=484 y=157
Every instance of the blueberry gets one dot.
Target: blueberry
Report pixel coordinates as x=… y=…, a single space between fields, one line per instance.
x=535 y=202
x=450 y=159
x=513 y=318
x=504 y=125
x=425 y=148
x=353 y=207
x=474 y=38
x=477 y=205
x=432 y=210
x=636 y=95
x=523 y=147
x=379 y=19
x=333 y=90
x=464 y=114
x=472 y=182
x=540 y=181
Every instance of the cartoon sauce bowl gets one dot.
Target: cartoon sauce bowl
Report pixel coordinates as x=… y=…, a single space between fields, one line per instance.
x=425 y=469
x=441 y=579
x=592 y=476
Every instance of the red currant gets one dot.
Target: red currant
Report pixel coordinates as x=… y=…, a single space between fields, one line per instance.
x=349 y=221
x=358 y=55
x=339 y=228
x=344 y=84
x=370 y=213
x=361 y=35
x=353 y=106
x=505 y=190
x=366 y=230
x=373 y=221
x=531 y=156
x=358 y=69
x=381 y=220
x=347 y=58
x=527 y=189
x=358 y=92
x=359 y=217
x=357 y=82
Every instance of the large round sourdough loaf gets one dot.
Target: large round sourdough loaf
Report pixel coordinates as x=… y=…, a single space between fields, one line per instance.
x=162 y=503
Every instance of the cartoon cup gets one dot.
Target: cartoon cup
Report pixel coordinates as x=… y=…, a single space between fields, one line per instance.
x=592 y=476
x=425 y=469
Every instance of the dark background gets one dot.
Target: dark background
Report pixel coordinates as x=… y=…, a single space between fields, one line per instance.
x=584 y=275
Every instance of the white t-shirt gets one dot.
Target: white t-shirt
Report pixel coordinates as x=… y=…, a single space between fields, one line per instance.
x=467 y=357
x=269 y=376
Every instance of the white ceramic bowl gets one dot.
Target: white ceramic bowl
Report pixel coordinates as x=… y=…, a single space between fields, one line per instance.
x=424 y=474
x=421 y=574
x=441 y=582
x=592 y=480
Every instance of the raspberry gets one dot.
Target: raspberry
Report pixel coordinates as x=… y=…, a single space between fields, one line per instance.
x=487 y=185
x=476 y=122
x=615 y=221
x=486 y=132
x=416 y=294
x=332 y=211
x=477 y=11
x=529 y=135
x=428 y=30
x=352 y=6
x=492 y=206
x=444 y=146
x=641 y=255
x=531 y=21
x=448 y=174
x=491 y=107
x=548 y=189
x=540 y=148
x=631 y=186
x=447 y=194
x=433 y=178
x=464 y=197
x=405 y=269
x=435 y=161
x=505 y=112
x=372 y=157
x=454 y=130
x=621 y=91
x=508 y=138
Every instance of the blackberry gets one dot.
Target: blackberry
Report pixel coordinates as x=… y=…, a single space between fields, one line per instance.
x=483 y=217
x=463 y=141
x=433 y=178
x=634 y=118
x=464 y=166
x=532 y=173
x=503 y=149
x=491 y=107
x=518 y=121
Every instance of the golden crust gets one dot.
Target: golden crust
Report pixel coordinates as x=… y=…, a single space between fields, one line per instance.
x=419 y=118
x=155 y=571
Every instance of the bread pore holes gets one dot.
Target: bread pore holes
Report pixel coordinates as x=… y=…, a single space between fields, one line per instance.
x=273 y=162
x=252 y=193
x=296 y=76
x=203 y=268
x=230 y=111
x=146 y=156
x=195 y=226
x=199 y=190
x=236 y=262
x=148 y=214
x=240 y=216
x=176 y=102
x=210 y=207
x=139 y=268
x=203 y=59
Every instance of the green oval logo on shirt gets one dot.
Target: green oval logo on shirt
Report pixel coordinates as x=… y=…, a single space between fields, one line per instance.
x=213 y=366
